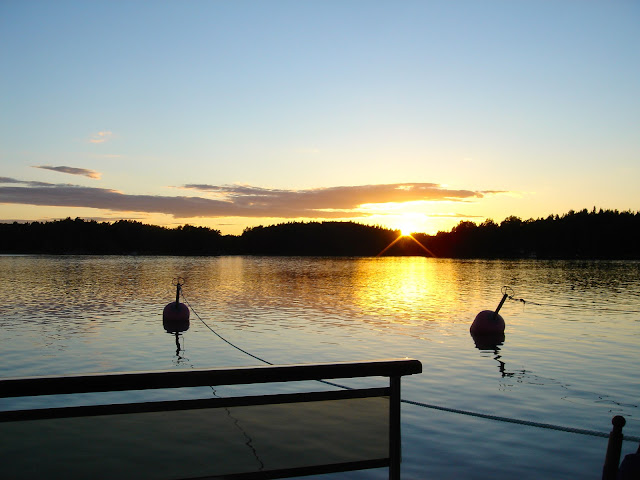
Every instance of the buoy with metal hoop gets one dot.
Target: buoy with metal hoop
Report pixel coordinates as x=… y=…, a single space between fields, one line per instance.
x=489 y=322
x=175 y=316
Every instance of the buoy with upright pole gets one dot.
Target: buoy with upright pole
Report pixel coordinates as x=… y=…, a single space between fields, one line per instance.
x=175 y=316
x=490 y=322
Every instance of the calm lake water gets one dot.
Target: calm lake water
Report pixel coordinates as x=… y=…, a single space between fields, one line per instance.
x=571 y=354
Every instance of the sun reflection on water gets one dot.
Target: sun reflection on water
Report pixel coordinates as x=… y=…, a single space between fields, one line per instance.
x=401 y=290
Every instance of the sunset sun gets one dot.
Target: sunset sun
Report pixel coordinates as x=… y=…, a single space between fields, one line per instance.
x=410 y=223
x=406 y=230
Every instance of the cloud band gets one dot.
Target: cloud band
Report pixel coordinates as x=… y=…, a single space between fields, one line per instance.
x=233 y=200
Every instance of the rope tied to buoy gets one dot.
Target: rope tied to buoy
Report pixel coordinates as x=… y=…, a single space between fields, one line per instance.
x=231 y=344
x=510 y=295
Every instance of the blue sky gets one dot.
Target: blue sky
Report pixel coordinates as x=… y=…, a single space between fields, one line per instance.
x=234 y=114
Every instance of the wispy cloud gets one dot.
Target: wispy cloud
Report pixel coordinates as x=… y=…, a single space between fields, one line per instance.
x=234 y=200
x=101 y=137
x=346 y=198
x=25 y=182
x=71 y=170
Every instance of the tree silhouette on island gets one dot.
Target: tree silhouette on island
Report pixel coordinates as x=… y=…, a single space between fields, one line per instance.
x=602 y=234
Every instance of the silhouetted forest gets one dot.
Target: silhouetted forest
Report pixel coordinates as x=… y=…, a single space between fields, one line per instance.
x=603 y=234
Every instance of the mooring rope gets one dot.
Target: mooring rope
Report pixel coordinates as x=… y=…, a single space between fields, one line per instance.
x=220 y=336
x=242 y=350
x=508 y=291
x=547 y=426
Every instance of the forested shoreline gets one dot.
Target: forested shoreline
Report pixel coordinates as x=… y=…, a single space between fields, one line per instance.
x=601 y=234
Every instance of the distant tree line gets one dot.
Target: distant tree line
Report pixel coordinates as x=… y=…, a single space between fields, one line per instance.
x=122 y=237
x=603 y=234
x=316 y=238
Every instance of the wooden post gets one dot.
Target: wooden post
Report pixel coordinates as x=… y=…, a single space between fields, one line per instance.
x=612 y=459
x=395 y=439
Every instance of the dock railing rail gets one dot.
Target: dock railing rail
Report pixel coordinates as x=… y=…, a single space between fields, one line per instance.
x=241 y=437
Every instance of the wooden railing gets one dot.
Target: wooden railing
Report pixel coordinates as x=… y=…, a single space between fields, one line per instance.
x=242 y=437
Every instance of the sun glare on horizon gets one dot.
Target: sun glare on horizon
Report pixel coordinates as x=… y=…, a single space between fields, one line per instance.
x=406 y=231
x=411 y=223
